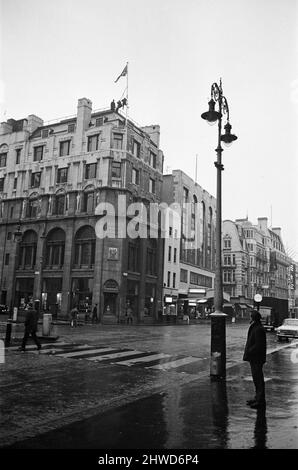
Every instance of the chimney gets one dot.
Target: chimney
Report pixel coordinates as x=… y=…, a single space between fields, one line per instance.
x=33 y=123
x=263 y=223
x=5 y=128
x=84 y=114
x=154 y=132
x=277 y=231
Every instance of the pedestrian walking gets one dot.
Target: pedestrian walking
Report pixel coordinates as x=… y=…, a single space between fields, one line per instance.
x=255 y=354
x=31 y=321
x=129 y=315
x=74 y=317
x=94 y=314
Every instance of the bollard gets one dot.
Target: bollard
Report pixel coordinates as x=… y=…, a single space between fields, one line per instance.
x=46 y=324
x=8 y=334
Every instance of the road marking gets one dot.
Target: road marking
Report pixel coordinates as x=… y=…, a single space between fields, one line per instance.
x=177 y=363
x=81 y=353
x=150 y=358
x=60 y=350
x=115 y=355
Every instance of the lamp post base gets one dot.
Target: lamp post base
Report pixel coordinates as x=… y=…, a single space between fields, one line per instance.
x=218 y=345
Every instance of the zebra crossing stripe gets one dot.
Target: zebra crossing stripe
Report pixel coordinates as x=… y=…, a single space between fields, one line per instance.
x=82 y=353
x=115 y=355
x=61 y=350
x=150 y=358
x=173 y=364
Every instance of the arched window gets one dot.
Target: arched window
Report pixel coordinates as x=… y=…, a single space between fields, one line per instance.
x=84 y=254
x=55 y=244
x=3 y=155
x=59 y=203
x=151 y=257
x=32 y=206
x=27 y=253
x=88 y=200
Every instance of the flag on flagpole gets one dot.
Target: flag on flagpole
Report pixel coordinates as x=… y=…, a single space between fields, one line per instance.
x=122 y=74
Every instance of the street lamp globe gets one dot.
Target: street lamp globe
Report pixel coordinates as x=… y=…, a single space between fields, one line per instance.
x=211 y=116
x=227 y=138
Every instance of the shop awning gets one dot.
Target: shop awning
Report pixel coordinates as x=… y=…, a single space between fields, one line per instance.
x=227 y=305
x=202 y=301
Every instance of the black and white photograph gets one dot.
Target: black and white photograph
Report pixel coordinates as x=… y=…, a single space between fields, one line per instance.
x=148 y=231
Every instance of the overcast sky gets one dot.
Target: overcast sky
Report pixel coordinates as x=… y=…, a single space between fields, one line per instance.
x=55 y=52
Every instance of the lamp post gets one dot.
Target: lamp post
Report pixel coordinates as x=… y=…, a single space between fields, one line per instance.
x=218 y=318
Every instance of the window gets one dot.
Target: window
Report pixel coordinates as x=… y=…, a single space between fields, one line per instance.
x=15 y=182
x=59 y=204
x=90 y=170
x=170 y=231
x=71 y=128
x=135 y=177
x=32 y=207
x=152 y=159
x=116 y=170
x=136 y=149
x=11 y=212
x=88 y=201
x=6 y=259
x=227 y=276
x=169 y=279
x=99 y=122
x=117 y=141
x=170 y=253
x=35 y=179
x=9 y=236
x=200 y=280
x=227 y=260
x=234 y=259
x=93 y=141
x=151 y=186
x=185 y=195
x=85 y=247
x=18 y=156
x=134 y=255
x=3 y=157
x=38 y=153
x=55 y=245
x=174 y=280
x=27 y=254
x=62 y=175
x=2 y=184
x=183 y=275
x=227 y=243
x=151 y=257
x=64 y=148
x=175 y=255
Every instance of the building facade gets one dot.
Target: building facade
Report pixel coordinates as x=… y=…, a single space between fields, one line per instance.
x=254 y=261
x=189 y=263
x=53 y=178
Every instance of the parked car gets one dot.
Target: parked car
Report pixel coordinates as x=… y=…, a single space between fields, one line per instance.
x=289 y=329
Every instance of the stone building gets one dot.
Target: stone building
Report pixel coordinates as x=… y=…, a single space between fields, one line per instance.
x=254 y=261
x=52 y=178
x=189 y=256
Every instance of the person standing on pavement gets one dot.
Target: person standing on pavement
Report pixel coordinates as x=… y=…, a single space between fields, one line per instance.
x=255 y=354
x=31 y=320
x=94 y=314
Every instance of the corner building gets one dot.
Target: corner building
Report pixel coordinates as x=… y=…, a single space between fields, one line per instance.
x=52 y=178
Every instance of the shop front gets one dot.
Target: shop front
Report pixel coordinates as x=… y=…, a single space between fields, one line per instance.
x=132 y=296
x=111 y=301
x=81 y=294
x=51 y=296
x=24 y=292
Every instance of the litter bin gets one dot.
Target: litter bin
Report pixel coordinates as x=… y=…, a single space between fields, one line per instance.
x=46 y=324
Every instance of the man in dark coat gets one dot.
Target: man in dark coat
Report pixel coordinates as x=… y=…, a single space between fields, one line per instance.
x=31 y=320
x=255 y=354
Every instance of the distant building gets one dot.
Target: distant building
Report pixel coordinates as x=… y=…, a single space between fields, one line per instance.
x=254 y=262
x=189 y=256
x=52 y=178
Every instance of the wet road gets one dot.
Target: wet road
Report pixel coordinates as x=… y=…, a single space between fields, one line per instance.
x=74 y=401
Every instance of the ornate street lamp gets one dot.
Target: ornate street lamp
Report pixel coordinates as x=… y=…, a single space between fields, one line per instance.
x=218 y=318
